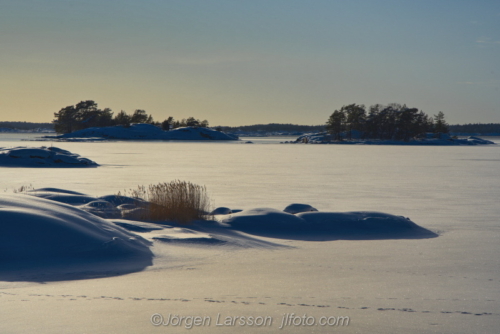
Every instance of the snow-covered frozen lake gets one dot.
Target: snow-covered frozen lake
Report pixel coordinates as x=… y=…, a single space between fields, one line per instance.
x=452 y=190
x=435 y=186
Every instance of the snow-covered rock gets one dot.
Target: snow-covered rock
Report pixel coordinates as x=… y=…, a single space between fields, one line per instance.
x=428 y=139
x=147 y=132
x=325 y=225
x=119 y=200
x=36 y=229
x=109 y=206
x=42 y=157
x=221 y=211
x=479 y=141
x=102 y=209
x=263 y=219
x=62 y=197
x=298 y=208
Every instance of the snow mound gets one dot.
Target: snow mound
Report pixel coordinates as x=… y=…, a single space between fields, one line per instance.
x=363 y=221
x=109 y=206
x=42 y=157
x=298 y=208
x=147 y=132
x=35 y=230
x=125 y=201
x=102 y=209
x=62 y=197
x=325 y=225
x=261 y=219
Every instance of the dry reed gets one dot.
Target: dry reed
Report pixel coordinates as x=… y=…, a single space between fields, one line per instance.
x=23 y=189
x=177 y=200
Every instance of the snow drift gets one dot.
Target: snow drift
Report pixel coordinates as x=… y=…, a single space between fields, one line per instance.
x=47 y=233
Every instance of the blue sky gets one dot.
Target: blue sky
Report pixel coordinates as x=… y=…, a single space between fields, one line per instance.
x=247 y=62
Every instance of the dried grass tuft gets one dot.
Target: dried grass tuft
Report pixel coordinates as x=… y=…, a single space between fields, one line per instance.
x=177 y=200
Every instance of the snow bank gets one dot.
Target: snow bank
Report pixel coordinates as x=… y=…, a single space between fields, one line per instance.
x=35 y=230
x=146 y=132
x=325 y=138
x=42 y=157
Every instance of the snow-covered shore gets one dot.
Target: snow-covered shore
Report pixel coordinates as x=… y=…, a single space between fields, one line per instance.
x=144 y=132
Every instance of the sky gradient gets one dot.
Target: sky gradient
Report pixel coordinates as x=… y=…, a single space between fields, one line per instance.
x=247 y=62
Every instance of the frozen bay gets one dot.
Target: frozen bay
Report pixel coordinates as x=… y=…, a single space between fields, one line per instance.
x=440 y=185
x=448 y=284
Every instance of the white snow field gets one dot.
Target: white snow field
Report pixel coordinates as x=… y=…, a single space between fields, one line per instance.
x=23 y=156
x=145 y=132
x=404 y=240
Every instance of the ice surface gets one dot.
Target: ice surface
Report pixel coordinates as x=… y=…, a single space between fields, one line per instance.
x=446 y=284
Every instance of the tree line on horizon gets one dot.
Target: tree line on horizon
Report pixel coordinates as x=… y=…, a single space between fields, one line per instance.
x=86 y=114
x=273 y=127
x=26 y=125
x=481 y=128
x=390 y=122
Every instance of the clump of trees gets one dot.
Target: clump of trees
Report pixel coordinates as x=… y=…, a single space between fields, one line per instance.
x=190 y=121
x=391 y=122
x=87 y=114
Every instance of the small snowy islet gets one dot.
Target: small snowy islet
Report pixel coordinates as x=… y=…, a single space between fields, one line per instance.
x=356 y=138
x=42 y=157
x=143 y=132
